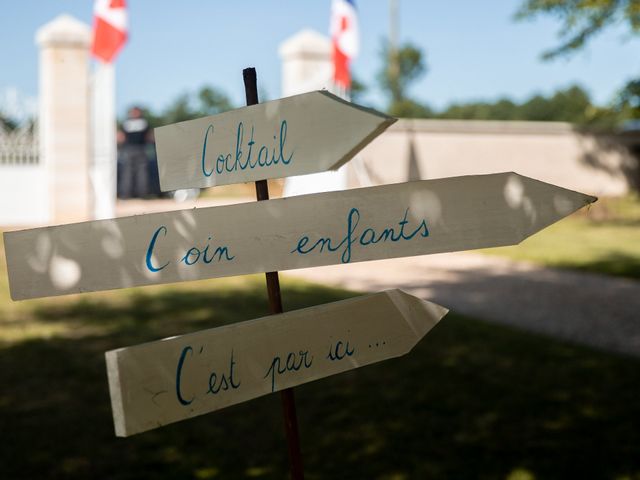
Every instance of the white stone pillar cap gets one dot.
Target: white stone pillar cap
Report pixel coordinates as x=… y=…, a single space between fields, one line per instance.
x=305 y=43
x=64 y=30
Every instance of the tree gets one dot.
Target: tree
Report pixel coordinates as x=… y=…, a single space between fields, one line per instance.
x=582 y=19
x=212 y=102
x=503 y=109
x=400 y=69
x=187 y=106
x=571 y=104
x=178 y=111
x=358 y=89
x=628 y=100
x=7 y=123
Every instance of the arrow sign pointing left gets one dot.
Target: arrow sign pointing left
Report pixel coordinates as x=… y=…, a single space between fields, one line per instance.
x=307 y=133
x=177 y=378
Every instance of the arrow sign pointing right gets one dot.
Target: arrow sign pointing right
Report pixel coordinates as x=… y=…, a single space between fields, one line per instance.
x=307 y=133
x=405 y=219
x=177 y=378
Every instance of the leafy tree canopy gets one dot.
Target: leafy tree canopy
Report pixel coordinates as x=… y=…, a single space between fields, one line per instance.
x=187 y=106
x=7 y=123
x=582 y=19
x=401 y=68
x=572 y=104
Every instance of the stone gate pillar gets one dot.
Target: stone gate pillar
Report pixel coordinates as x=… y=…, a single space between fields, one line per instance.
x=64 y=116
x=306 y=63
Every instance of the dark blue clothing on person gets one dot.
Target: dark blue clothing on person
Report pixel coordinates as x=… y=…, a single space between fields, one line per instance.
x=135 y=175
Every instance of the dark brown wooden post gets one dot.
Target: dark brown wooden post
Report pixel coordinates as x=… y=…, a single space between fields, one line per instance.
x=275 y=306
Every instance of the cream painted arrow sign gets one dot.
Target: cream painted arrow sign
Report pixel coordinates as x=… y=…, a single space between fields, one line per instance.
x=415 y=218
x=170 y=380
x=307 y=133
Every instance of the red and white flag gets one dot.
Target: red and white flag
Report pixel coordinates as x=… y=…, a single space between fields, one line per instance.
x=109 y=28
x=344 y=36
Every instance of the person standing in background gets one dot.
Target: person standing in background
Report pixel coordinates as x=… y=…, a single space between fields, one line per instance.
x=132 y=138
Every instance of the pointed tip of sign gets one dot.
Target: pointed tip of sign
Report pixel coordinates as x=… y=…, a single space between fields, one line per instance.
x=388 y=120
x=539 y=204
x=421 y=315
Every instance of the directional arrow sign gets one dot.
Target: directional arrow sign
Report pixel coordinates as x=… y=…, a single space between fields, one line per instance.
x=308 y=133
x=415 y=218
x=177 y=378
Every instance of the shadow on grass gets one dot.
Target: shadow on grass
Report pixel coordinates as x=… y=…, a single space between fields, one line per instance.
x=616 y=264
x=472 y=400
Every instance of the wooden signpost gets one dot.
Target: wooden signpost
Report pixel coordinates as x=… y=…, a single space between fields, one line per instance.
x=177 y=378
x=415 y=218
x=174 y=379
x=307 y=133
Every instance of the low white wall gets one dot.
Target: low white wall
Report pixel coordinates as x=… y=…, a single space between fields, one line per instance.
x=23 y=195
x=549 y=151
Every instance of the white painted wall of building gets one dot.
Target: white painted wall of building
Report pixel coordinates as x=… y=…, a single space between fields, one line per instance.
x=23 y=195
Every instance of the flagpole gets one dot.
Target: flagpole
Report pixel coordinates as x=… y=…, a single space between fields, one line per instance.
x=393 y=40
x=275 y=306
x=103 y=168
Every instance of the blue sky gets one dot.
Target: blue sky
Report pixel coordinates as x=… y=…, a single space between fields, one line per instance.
x=475 y=50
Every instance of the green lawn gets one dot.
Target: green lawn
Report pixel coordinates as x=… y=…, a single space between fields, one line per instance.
x=604 y=239
x=472 y=400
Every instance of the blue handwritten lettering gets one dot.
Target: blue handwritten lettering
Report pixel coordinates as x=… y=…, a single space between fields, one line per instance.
x=183 y=355
x=207 y=254
x=340 y=350
x=293 y=363
x=251 y=143
x=239 y=140
x=283 y=139
x=368 y=236
x=194 y=254
x=232 y=163
x=152 y=245
x=226 y=381
x=204 y=152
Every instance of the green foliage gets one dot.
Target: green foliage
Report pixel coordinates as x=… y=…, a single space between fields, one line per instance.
x=187 y=106
x=407 y=108
x=7 y=123
x=358 y=89
x=207 y=101
x=510 y=404
x=505 y=402
x=571 y=104
x=568 y=105
x=211 y=102
x=503 y=109
x=605 y=239
x=400 y=69
x=582 y=19
x=629 y=99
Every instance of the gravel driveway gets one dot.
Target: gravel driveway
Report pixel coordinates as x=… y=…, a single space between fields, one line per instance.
x=591 y=309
